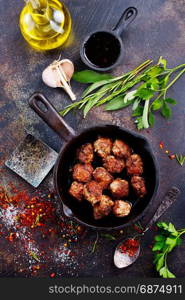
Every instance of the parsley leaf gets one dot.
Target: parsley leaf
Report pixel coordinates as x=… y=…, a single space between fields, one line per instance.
x=145 y=94
x=170 y=101
x=151 y=119
x=139 y=123
x=165 y=273
x=138 y=111
x=157 y=104
x=165 y=242
x=166 y=111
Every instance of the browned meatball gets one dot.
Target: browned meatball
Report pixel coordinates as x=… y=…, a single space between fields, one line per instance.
x=119 y=188
x=134 y=165
x=121 y=149
x=121 y=208
x=103 y=147
x=138 y=184
x=103 y=208
x=76 y=190
x=103 y=177
x=114 y=165
x=86 y=153
x=82 y=173
x=93 y=192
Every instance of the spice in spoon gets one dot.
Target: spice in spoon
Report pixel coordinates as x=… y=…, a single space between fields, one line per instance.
x=59 y=74
x=130 y=247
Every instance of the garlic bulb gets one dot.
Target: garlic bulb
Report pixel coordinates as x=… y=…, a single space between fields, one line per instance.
x=59 y=74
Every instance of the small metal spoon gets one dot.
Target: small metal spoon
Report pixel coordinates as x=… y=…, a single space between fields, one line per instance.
x=123 y=260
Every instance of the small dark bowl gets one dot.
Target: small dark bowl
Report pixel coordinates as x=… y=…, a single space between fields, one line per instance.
x=82 y=212
x=117 y=41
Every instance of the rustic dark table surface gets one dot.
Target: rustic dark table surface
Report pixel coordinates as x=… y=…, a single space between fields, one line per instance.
x=158 y=30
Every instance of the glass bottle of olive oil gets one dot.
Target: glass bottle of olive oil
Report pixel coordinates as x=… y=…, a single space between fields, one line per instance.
x=45 y=24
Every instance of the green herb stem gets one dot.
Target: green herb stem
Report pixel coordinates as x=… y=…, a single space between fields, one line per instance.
x=175 y=79
x=95 y=243
x=177 y=67
x=145 y=114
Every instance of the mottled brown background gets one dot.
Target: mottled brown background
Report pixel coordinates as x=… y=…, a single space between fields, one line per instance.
x=158 y=30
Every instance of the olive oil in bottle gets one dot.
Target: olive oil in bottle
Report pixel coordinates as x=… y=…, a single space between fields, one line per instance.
x=45 y=24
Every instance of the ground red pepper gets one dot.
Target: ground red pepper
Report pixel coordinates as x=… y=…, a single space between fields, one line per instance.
x=129 y=247
x=35 y=211
x=27 y=218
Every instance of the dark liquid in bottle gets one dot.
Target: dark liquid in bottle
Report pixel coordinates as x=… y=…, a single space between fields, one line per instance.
x=102 y=49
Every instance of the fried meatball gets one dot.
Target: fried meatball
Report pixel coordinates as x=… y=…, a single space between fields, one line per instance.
x=119 y=188
x=103 y=208
x=103 y=147
x=121 y=149
x=82 y=173
x=103 y=177
x=86 y=154
x=114 y=165
x=93 y=192
x=76 y=190
x=134 y=165
x=139 y=187
x=121 y=208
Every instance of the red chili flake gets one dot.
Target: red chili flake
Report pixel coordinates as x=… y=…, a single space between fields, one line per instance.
x=161 y=145
x=11 y=237
x=36 y=267
x=172 y=156
x=129 y=247
x=52 y=275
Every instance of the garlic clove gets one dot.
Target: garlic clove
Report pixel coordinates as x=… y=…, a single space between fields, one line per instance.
x=59 y=74
x=50 y=78
x=68 y=68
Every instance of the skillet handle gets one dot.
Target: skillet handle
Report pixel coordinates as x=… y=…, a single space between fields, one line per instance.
x=49 y=114
x=127 y=17
x=169 y=199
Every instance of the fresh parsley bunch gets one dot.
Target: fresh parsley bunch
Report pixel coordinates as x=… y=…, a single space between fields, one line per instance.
x=151 y=85
x=165 y=242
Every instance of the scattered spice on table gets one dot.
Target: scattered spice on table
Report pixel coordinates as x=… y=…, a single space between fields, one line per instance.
x=28 y=222
x=179 y=157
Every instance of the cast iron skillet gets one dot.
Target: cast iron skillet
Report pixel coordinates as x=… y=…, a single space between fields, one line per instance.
x=66 y=159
